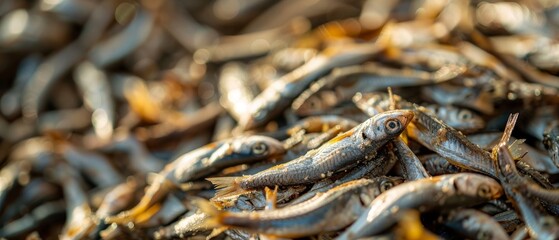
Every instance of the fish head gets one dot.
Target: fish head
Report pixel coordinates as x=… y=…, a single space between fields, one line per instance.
x=477 y=186
x=260 y=146
x=387 y=125
x=262 y=108
x=466 y=120
x=249 y=147
x=316 y=103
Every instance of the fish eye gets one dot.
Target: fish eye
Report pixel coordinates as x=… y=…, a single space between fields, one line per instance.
x=547 y=222
x=259 y=115
x=385 y=185
x=464 y=114
x=392 y=125
x=484 y=191
x=259 y=148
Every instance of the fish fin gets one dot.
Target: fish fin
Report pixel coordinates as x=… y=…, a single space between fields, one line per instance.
x=227 y=185
x=508 y=129
x=515 y=149
x=404 y=137
x=506 y=134
x=155 y=192
x=215 y=216
x=411 y=228
x=147 y=214
x=340 y=137
x=138 y=213
x=391 y=98
x=215 y=232
x=271 y=198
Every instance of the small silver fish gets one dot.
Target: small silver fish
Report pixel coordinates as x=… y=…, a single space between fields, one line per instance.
x=358 y=144
x=447 y=191
x=330 y=211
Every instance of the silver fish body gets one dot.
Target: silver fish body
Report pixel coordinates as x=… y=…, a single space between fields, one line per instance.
x=321 y=213
x=342 y=152
x=446 y=191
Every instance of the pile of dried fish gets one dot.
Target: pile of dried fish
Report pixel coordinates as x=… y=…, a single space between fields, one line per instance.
x=224 y=119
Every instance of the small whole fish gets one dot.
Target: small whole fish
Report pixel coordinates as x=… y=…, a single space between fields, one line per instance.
x=343 y=83
x=447 y=191
x=227 y=153
x=408 y=161
x=343 y=203
x=474 y=224
x=449 y=143
x=256 y=200
x=272 y=100
x=206 y=160
x=539 y=224
x=459 y=118
x=345 y=150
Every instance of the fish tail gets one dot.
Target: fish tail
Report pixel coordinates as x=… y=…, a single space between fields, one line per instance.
x=142 y=210
x=227 y=185
x=214 y=217
x=271 y=197
x=508 y=129
x=215 y=232
x=506 y=134
x=145 y=208
x=515 y=149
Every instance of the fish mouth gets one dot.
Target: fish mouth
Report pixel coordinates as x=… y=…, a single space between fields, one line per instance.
x=498 y=191
x=406 y=116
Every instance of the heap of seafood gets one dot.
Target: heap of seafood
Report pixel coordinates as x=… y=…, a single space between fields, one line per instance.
x=224 y=119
